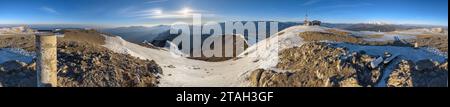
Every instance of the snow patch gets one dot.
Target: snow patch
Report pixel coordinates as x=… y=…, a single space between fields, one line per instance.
x=409 y=53
x=386 y=35
x=9 y=54
x=406 y=53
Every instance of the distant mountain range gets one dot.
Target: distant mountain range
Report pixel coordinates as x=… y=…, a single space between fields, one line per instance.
x=15 y=30
x=139 y=33
x=378 y=27
x=158 y=35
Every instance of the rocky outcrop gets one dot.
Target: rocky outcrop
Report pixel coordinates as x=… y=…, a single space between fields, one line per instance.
x=85 y=64
x=331 y=35
x=17 y=74
x=319 y=64
x=424 y=73
x=90 y=66
x=436 y=41
x=11 y=66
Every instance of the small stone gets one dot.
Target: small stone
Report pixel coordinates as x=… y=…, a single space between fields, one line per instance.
x=354 y=54
x=2 y=69
x=12 y=65
x=171 y=66
x=63 y=69
x=340 y=64
x=367 y=58
x=387 y=54
x=376 y=62
x=362 y=52
x=195 y=67
x=424 y=65
x=78 y=53
x=350 y=82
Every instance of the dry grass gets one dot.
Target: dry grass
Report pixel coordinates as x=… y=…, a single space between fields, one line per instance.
x=424 y=36
x=338 y=32
x=319 y=36
x=375 y=36
x=429 y=40
x=26 y=42
x=90 y=36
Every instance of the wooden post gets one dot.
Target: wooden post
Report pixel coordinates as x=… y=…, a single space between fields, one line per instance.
x=46 y=59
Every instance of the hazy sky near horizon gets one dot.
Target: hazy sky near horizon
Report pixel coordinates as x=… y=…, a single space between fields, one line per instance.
x=153 y=12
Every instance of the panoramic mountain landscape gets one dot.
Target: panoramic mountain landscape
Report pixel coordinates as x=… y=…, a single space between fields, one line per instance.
x=140 y=47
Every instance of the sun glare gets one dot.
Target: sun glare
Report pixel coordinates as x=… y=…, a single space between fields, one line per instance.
x=157 y=12
x=186 y=11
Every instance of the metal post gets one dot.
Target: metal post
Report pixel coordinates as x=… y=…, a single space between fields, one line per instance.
x=46 y=59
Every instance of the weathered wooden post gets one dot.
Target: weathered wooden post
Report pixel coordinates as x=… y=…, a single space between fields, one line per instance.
x=46 y=59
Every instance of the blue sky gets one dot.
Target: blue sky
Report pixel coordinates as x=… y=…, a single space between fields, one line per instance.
x=153 y=12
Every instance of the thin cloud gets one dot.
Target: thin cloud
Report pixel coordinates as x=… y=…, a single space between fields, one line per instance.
x=163 y=14
x=155 y=1
x=310 y=2
x=346 y=5
x=49 y=10
x=126 y=10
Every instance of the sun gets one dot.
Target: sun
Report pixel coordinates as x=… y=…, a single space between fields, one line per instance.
x=186 y=11
x=157 y=12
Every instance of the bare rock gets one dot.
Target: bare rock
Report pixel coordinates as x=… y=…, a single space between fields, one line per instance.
x=407 y=75
x=376 y=62
x=171 y=66
x=318 y=64
x=255 y=77
x=349 y=82
x=12 y=66
x=424 y=65
x=401 y=77
x=2 y=69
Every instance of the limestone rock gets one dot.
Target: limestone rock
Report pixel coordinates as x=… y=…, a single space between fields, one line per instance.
x=12 y=66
